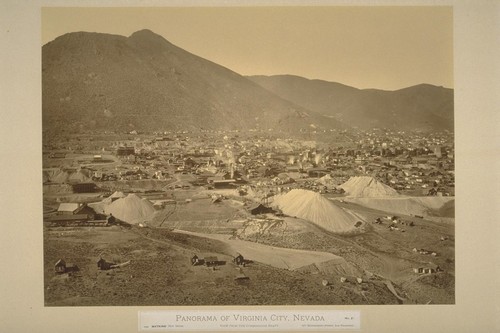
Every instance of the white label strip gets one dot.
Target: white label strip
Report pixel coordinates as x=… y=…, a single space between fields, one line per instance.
x=248 y=320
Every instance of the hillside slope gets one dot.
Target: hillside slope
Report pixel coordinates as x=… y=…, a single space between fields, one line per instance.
x=94 y=80
x=423 y=107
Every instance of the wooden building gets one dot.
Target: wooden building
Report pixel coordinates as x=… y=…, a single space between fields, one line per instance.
x=60 y=266
x=75 y=214
x=211 y=261
x=103 y=265
x=84 y=187
x=195 y=260
x=125 y=151
x=239 y=260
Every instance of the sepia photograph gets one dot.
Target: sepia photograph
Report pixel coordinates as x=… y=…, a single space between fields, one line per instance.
x=326 y=165
x=248 y=156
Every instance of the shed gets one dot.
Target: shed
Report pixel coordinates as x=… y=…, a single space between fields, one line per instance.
x=60 y=266
x=229 y=183
x=103 y=264
x=85 y=209
x=73 y=208
x=195 y=260
x=84 y=187
x=68 y=208
x=239 y=260
x=211 y=261
x=67 y=219
x=125 y=151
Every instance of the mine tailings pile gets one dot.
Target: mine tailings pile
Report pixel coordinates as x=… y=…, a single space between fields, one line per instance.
x=370 y=193
x=131 y=209
x=364 y=186
x=59 y=176
x=313 y=207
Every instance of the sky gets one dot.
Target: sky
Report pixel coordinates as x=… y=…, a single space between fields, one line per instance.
x=382 y=47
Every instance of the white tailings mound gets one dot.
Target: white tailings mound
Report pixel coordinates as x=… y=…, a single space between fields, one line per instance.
x=423 y=206
x=79 y=177
x=101 y=206
x=117 y=194
x=327 y=180
x=56 y=175
x=369 y=187
x=314 y=207
x=279 y=257
x=131 y=209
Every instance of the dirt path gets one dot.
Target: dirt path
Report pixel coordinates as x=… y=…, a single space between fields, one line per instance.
x=393 y=291
x=274 y=256
x=168 y=214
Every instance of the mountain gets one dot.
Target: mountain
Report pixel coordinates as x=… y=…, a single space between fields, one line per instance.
x=423 y=107
x=143 y=82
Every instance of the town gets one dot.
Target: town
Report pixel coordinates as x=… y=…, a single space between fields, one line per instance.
x=341 y=210
x=413 y=163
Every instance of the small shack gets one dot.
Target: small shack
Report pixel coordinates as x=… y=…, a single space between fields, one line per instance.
x=68 y=208
x=125 y=151
x=84 y=188
x=74 y=208
x=211 y=261
x=196 y=261
x=224 y=183
x=239 y=260
x=103 y=264
x=60 y=266
x=427 y=270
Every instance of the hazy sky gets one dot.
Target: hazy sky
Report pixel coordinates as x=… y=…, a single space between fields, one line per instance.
x=364 y=47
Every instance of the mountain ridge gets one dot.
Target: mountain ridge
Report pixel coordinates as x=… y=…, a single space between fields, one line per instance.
x=145 y=82
x=422 y=106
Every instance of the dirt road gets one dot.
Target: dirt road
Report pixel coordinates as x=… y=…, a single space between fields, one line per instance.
x=274 y=256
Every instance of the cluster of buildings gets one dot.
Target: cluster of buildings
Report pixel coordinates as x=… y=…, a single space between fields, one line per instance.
x=77 y=214
x=417 y=163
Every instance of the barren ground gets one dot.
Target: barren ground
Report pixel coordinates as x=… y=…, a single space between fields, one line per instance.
x=160 y=272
